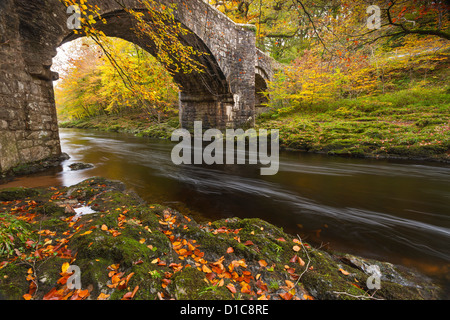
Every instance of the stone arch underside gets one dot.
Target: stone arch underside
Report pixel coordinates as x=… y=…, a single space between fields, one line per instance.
x=201 y=93
x=30 y=32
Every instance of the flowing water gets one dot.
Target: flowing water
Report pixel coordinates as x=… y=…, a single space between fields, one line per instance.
x=396 y=211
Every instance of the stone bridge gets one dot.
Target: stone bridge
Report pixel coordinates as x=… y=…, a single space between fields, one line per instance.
x=226 y=95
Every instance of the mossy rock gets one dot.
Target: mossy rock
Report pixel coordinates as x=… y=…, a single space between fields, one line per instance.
x=13 y=283
x=52 y=210
x=141 y=242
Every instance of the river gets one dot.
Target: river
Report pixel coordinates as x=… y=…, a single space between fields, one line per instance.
x=390 y=210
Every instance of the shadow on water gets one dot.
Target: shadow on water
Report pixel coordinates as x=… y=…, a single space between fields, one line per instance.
x=396 y=211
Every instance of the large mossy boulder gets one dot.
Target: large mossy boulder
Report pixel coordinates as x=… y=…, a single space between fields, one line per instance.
x=128 y=248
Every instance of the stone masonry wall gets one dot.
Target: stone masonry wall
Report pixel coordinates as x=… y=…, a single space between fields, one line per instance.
x=28 y=124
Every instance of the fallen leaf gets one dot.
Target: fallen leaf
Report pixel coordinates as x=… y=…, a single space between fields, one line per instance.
x=290 y=284
x=83 y=293
x=113 y=267
x=262 y=263
x=245 y=287
x=166 y=282
x=127 y=296
x=104 y=227
x=301 y=262
x=85 y=233
x=134 y=291
x=296 y=248
x=103 y=296
x=230 y=250
x=286 y=296
x=64 y=267
x=231 y=287
x=206 y=269
x=210 y=276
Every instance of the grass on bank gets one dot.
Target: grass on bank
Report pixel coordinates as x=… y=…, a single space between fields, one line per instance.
x=413 y=123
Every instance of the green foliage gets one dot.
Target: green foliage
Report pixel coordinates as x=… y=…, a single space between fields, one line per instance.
x=13 y=234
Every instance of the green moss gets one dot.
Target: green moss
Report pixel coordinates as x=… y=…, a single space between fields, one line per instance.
x=13 y=284
x=52 y=209
x=10 y=194
x=190 y=284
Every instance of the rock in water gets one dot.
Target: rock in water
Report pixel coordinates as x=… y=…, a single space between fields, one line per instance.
x=80 y=166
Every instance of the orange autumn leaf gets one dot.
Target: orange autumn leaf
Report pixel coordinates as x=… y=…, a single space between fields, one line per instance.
x=103 y=296
x=205 y=269
x=127 y=296
x=210 y=276
x=296 y=248
x=129 y=277
x=262 y=263
x=286 y=296
x=83 y=293
x=245 y=287
x=301 y=262
x=345 y=273
x=230 y=250
x=165 y=282
x=27 y=296
x=64 y=267
x=134 y=291
x=289 y=283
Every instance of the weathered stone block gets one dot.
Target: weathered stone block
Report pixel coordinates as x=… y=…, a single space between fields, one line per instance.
x=9 y=156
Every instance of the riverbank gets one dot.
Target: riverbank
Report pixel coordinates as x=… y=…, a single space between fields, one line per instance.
x=128 y=249
x=406 y=124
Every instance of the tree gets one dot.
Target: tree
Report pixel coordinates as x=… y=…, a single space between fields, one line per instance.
x=92 y=86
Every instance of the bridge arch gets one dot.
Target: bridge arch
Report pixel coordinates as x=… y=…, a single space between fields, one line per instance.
x=30 y=32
